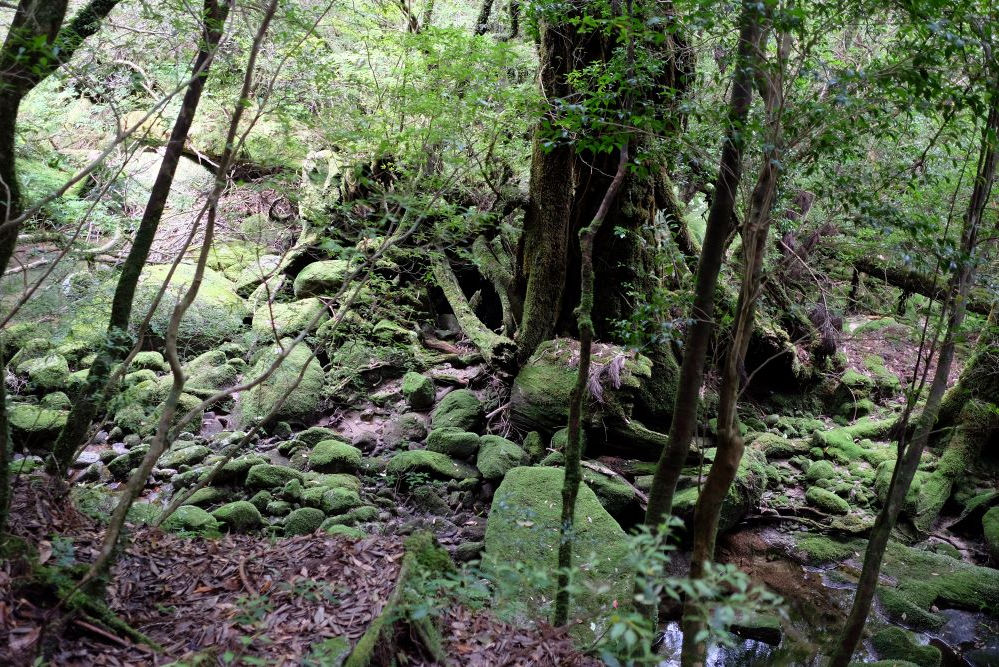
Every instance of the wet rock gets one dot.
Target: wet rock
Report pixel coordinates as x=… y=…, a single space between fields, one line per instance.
x=86 y=458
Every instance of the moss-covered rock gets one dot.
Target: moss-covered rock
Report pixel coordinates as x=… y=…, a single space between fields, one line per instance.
x=460 y=409
x=57 y=400
x=253 y=274
x=207 y=496
x=303 y=521
x=497 y=456
x=238 y=516
x=270 y=477
x=150 y=361
x=819 y=549
x=211 y=371
x=820 y=470
x=235 y=470
x=313 y=435
x=776 y=446
x=827 y=501
x=34 y=428
x=338 y=501
x=617 y=496
x=430 y=463
x=362 y=514
x=184 y=457
x=893 y=643
x=539 y=400
x=743 y=495
x=189 y=518
x=289 y=319
x=342 y=530
x=453 y=442
x=522 y=535
x=418 y=389
x=298 y=402
x=334 y=456
x=121 y=466
x=321 y=278
x=48 y=372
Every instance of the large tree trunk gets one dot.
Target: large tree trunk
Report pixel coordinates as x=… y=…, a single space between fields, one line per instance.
x=118 y=343
x=910 y=453
x=712 y=254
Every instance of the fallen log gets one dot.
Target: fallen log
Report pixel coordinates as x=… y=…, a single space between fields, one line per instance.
x=913 y=282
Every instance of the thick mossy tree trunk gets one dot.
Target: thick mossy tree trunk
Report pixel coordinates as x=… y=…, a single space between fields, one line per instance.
x=567 y=187
x=118 y=341
x=37 y=44
x=718 y=228
x=909 y=453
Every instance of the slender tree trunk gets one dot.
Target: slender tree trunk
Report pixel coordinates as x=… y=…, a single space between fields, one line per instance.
x=119 y=341
x=731 y=446
x=574 y=449
x=482 y=22
x=514 y=19
x=712 y=253
x=910 y=454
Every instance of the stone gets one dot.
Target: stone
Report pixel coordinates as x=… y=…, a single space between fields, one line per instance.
x=331 y=528
x=334 y=456
x=419 y=390
x=57 y=400
x=188 y=518
x=827 y=501
x=289 y=319
x=497 y=456
x=893 y=643
x=431 y=463
x=48 y=372
x=453 y=442
x=184 y=457
x=296 y=402
x=820 y=470
x=121 y=467
x=990 y=528
x=523 y=529
x=460 y=409
x=338 y=501
x=33 y=427
x=150 y=360
x=303 y=521
x=238 y=516
x=269 y=476
x=259 y=268
x=313 y=435
x=323 y=278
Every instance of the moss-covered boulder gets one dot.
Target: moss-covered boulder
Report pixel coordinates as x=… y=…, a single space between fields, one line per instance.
x=34 y=428
x=819 y=470
x=539 y=400
x=617 y=496
x=121 y=466
x=313 y=435
x=321 y=278
x=150 y=361
x=303 y=521
x=289 y=319
x=827 y=501
x=743 y=495
x=418 y=389
x=296 y=402
x=236 y=469
x=339 y=500
x=522 y=537
x=453 y=442
x=238 y=516
x=461 y=409
x=893 y=643
x=434 y=464
x=216 y=316
x=188 y=518
x=334 y=456
x=255 y=272
x=185 y=456
x=48 y=372
x=211 y=371
x=497 y=456
x=268 y=476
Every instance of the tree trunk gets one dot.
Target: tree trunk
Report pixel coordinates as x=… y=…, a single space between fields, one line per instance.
x=728 y=455
x=909 y=454
x=482 y=22
x=914 y=282
x=90 y=397
x=702 y=312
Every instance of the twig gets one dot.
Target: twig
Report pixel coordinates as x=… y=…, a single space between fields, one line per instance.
x=247 y=584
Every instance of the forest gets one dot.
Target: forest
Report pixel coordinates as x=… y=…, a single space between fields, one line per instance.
x=506 y=332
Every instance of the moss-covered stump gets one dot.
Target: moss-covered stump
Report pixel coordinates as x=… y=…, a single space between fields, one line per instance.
x=238 y=516
x=215 y=317
x=743 y=495
x=34 y=428
x=434 y=464
x=190 y=519
x=460 y=409
x=522 y=535
x=288 y=319
x=323 y=278
x=334 y=456
x=296 y=402
x=418 y=389
x=893 y=643
x=539 y=400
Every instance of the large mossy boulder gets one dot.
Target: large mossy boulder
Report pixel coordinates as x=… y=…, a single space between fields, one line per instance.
x=434 y=464
x=303 y=521
x=323 y=278
x=539 y=400
x=188 y=518
x=334 y=456
x=743 y=495
x=522 y=537
x=268 y=476
x=893 y=643
x=461 y=409
x=216 y=316
x=34 y=428
x=48 y=372
x=990 y=528
x=453 y=442
x=296 y=402
x=497 y=456
x=289 y=319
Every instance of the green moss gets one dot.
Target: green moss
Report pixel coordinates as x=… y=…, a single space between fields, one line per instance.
x=820 y=470
x=362 y=514
x=820 y=549
x=236 y=469
x=534 y=445
x=453 y=442
x=334 y=456
x=497 y=456
x=238 y=516
x=743 y=495
x=208 y=495
x=419 y=390
x=300 y=402
x=990 y=528
x=269 y=476
x=188 y=518
x=33 y=427
x=151 y=361
x=523 y=528
x=303 y=521
x=48 y=372
x=338 y=501
x=321 y=278
x=345 y=531
x=460 y=409
x=288 y=319
x=432 y=463
x=896 y=644
x=826 y=501
x=184 y=457
x=334 y=481
x=886 y=383
x=617 y=497
x=121 y=466
x=775 y=446
x=313 y=435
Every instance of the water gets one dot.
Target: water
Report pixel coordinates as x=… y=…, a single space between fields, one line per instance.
x=745 y=653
